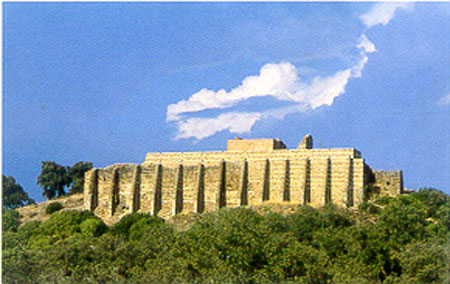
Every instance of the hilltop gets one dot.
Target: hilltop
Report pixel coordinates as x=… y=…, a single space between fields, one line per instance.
x=36 y=212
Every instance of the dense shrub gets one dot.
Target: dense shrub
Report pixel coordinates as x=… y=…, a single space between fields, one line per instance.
x=10 y=220
x=53 y=207
x=123 y=226
x=93 y=227
x=65 y=223
x=369 y=208
x=392 y=240
x=30 y=229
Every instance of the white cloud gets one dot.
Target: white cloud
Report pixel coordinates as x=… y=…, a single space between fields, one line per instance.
x=323 y=91
x=445 y=100
x=382 y=13
x=200 y=128
x=276 y=80
x=366 y=45
x=280 y=81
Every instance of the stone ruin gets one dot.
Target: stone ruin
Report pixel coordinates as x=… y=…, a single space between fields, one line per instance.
x=250 y=172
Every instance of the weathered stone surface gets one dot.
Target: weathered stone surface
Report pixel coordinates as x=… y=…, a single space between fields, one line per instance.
x=255 y=145
x=388 y=183
x=307 y=142
x=251 y=172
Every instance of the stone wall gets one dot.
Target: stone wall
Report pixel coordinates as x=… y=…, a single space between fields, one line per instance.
x=180 y=183
x=256 y=145
x=387 y=183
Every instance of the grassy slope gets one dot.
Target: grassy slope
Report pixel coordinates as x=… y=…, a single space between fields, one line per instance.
x=36 y=212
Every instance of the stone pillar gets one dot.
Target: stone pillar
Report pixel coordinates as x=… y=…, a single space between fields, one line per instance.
x=190 y=187
x=319 y=175
x=212 y=182
x=341 y=178
x=169 y=190
x=358 y=182
x=256 y=174
x=90 y=189
x=298 y=179
x=147 y=182
x=350 y=192
x=277 y=180
x=234 y=182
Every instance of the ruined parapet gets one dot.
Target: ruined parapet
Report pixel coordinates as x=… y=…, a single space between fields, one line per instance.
x=260 y=172
x=386 y=183
x=306 y=143
x=113 y=192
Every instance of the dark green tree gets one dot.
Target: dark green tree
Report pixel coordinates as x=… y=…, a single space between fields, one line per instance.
x=53 y=179
x=13 y=194
x=77 y=173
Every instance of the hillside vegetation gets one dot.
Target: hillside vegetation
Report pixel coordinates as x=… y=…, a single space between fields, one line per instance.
x=391 y=240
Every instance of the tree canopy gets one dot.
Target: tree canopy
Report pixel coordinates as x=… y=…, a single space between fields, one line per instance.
x=13 y=194
x=77 y=173
x=53 y=179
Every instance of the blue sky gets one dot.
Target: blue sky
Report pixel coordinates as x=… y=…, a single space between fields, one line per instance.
x=109 y=82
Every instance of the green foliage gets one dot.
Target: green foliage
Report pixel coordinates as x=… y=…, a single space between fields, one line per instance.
x=392 y=240
x=425 y=262
x=10 y=220
x=144 y=226
x=53 y=207
x=53 y=179
x=125 y=223
x=77 y=173
x=306 y=220
x=65 y=223
x=369 y=208
x=93 y=227
x=13 y=194
x=29 y=229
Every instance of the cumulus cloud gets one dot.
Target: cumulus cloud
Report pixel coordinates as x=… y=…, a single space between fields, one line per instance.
x=276 y=80
x=280 y=81
x=200 y=128
x=366 y=45
x=382 y=13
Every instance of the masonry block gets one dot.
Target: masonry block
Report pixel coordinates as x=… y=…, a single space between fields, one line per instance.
x=319 y=175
